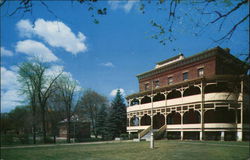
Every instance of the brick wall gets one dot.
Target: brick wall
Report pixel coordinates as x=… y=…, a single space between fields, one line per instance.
x=209 y=66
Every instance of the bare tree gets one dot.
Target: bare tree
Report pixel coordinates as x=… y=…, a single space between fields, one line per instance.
x=204 y=10
x=28 y=87
x=66 y=90
x=38 y=86
x=89 y=105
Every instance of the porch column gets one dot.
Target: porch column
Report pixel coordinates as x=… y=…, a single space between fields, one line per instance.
x=202 y=110
x=165 y=94
x=129 y=121
x=181 y=135
x=165 y=119
x=239 y=135
x=201 y=135
x=222 y=136
x=139 y=121
x=129 y=102
x=240 y=129
x=139 y=100
x=181 y=119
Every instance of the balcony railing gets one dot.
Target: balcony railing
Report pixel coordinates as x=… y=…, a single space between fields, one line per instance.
x=197 y=126
x=188 y=99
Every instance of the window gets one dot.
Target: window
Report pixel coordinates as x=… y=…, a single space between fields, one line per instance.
x=170 y=80
x=185 y=76
x=146 y=86
x=200 y=72
x=156 y=83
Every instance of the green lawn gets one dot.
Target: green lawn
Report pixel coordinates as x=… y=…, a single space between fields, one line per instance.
x=164 y=150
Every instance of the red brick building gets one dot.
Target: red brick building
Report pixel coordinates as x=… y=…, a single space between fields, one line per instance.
x=204 y=96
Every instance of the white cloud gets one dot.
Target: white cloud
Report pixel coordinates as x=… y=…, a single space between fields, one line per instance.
x=5 y=52
x=10 y=97
x=55 y=33
x=108 y=64
x=129 y=5
x=114 y=91
x=35 y=49
x=8 y=79
x=114 y=4
x=25 y=28
x=124 y=5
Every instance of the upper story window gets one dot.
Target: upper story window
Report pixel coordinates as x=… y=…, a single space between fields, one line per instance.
x=200 y=72
x=185 y=76
x=156 y=83
x=170 y=80
x=146 y=86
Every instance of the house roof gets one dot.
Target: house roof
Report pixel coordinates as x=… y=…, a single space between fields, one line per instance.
x=194 y=58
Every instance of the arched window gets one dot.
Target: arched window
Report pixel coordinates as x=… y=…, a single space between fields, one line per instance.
x=158 y=121
x=191 y=117
x=134 y=102
x=220 y=115
x=134 y=121
x=219 y=87
x=174 y=118
x=192 y=90
x=145 y=120
x=145 y=99
x=159 y=97
x=174 y=94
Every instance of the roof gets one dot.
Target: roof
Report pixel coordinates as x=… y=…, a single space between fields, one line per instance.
x=170 y=59
x=194 y=58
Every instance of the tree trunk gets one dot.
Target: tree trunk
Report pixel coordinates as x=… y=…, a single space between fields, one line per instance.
x=34 y=134
x=34 y=126
x=68 y=130
x=68 y=124
x=43 y=125
x=93 y=126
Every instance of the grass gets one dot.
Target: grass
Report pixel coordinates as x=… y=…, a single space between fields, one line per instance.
x=164 y=150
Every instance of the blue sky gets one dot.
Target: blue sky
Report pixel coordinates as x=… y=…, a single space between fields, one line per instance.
x=103 y=56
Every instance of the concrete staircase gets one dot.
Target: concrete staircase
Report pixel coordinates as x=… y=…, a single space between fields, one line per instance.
x=148 y=135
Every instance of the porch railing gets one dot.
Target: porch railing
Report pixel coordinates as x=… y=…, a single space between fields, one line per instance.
x=144 y=132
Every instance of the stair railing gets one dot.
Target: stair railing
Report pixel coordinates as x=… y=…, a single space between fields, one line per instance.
x=163 y=128
x=144 y=132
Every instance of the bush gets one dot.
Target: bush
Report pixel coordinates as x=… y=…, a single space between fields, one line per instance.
x=133 y=136
x=172 y=135
x=48 y=139
x=124 y=136
x=23 y=138
x=159 y=135
x=7 y=139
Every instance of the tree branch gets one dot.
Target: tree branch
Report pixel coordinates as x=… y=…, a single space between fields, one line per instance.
x=230 y=33
x=229 y=12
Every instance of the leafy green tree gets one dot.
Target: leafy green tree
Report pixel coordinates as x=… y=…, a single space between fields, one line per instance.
x=101 y=121
x=117 y=118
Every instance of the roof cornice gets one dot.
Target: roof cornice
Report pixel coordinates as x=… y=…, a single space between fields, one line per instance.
x=197 y=57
